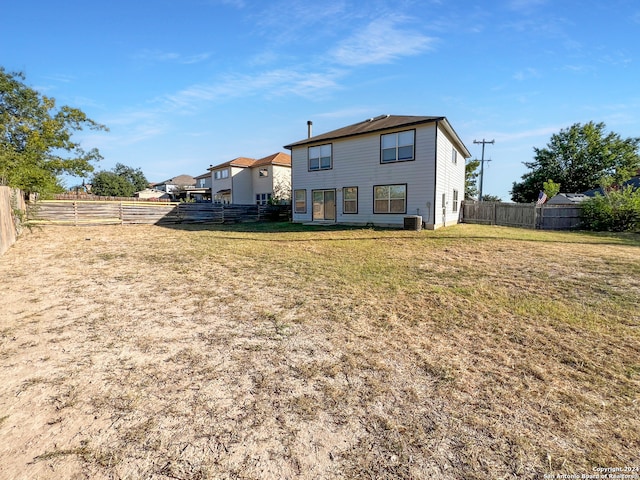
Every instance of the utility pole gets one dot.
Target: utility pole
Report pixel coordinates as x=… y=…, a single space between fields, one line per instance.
x=483 y=142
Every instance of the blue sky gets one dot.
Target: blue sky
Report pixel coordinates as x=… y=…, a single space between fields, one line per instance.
x=183 y=84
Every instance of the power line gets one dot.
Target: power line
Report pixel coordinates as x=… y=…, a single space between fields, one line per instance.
x=483 y=142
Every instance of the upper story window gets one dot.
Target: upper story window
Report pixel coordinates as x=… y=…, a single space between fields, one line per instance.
x=454 y=156
x=397 y=147
x=320 y=157
x=264 y=172
x=202 y=182
x=218 y=174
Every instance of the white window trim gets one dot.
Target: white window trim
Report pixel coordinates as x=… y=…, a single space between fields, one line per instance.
x=397 y=147
x=320 y=157
x=295 y=201
x=344 y=200
x=389 y=212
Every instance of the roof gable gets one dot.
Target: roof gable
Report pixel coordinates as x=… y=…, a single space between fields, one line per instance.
x=243 y=162
x=282 y=159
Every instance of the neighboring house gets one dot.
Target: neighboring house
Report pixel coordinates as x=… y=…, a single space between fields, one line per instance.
x=176 y=186
x=202 y=189
x=633 y=181
x=567 y=199
x=151 y=193
x=379 y=171
x=246 y=180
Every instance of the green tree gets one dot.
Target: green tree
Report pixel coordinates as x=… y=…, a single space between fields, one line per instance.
x=491 y=198
x=578 y=158
x=36 y=144
x=471 y=178
x=122 y=181
x=134 y=176
x=111 y=184
x=550 y=188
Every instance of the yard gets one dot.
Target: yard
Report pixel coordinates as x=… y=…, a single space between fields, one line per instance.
x=217 y=352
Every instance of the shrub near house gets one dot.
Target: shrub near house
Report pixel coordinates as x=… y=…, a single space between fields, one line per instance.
x=615 y=211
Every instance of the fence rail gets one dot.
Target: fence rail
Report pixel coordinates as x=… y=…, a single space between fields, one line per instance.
x=88 y=212
x=551 y=217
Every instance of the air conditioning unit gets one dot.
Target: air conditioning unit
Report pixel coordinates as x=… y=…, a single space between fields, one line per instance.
x=413 y=222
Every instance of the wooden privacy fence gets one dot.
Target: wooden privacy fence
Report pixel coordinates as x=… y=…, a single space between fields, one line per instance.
x=11 y=207
x=552 y=217
x=60 y=212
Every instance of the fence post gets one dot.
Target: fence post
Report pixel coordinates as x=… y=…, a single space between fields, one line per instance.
x=495 y=207
x=75 y=213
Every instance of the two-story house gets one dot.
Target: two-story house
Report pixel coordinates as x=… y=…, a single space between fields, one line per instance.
x=379 y=171
x=246 y=180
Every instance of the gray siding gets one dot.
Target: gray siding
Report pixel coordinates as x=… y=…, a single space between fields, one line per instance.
x=450 y=177
x=356 y=163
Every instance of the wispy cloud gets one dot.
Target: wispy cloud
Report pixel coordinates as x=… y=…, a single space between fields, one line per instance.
x=505 y=137
x=287 y=21
x=160 y=56
x=616 y=59
x=526 y=74
x=579 y=68
x=381 y=41
x=231 y=3
x=349 y=113
x=269 y=84
x=525 y=5
x=128 y=128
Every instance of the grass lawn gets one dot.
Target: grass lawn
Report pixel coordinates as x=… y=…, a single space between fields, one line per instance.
x=289 y=351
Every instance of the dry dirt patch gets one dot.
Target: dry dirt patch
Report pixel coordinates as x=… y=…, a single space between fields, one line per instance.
x=147 y=352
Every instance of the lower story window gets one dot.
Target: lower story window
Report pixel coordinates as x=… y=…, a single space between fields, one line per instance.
x=390 y=199
x=263 y=198
x=455 y=201
x=300 y=201
x=350 y=200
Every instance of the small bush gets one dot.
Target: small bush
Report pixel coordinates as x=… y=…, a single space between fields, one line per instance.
x=616 y=211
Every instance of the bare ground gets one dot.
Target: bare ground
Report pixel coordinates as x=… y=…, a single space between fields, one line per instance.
x=146 y=352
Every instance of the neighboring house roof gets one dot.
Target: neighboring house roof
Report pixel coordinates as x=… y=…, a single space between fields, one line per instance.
x=236 y=162
x=280 y=158
x=633 y=181
x=204 y=175
x=382 y=122
x=151 y=193
x=567 y=199
x=179 y=180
